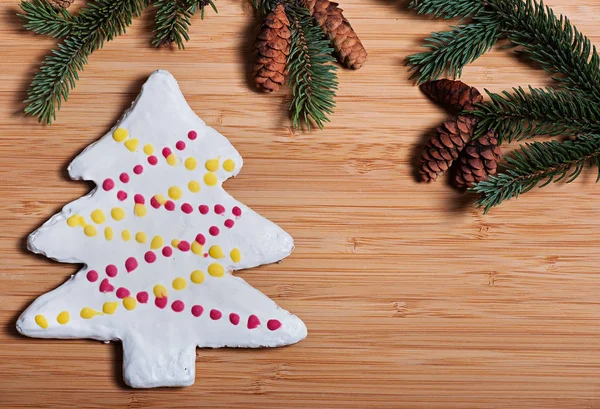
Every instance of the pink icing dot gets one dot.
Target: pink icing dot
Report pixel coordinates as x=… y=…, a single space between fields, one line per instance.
x=177 y=306
x=253 y=321
x=237 y=212
x=167 y=251
x=160 y=302
x=215 y=315
x=166 y=152
x=229 y=223
x=273 y=324
x=234 y=318
x=192 y=135
x=205 y=255
x=124 y=177
x=180 y=145
x=183 y=245
x=214 y=231
x=219 y=209
x=187 y=208
x=122 y=292
x=105 y=286
x=139 y=199
x=201 y=239
x=170 y=205
x=142 y=297
x=197 y=310
x=150 y=257
x=154 y=203
x=131 y=264
x=111 y=270
x=138 y=169
x=153 y=160
x=92 y=276
x=121 y=195
x=203 y=209
x=108 y=184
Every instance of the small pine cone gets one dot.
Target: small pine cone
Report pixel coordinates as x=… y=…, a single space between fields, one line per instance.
x=444 y=147
x=346 y=43
x=478 y=160
x=455 y=95
x=272 y=48
x=60 y=4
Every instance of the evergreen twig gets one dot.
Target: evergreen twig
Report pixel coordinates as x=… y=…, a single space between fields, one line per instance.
x=172 y=20
x=448 y=8
x=41 y=18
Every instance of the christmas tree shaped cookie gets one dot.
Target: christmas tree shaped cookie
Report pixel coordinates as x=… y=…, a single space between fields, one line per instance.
x=159 y=238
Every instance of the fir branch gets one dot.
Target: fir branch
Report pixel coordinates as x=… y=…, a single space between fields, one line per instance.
x=447 y=8
x=312 y=74
x=172 y=20
x=41 y=18
x=98 y=22
x=539 y=162
x=522 y=115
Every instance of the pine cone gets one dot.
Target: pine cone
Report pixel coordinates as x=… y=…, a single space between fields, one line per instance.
x=444 y=147
x=478 y=160
x=272 y=47
x=346 y=43
x=60 y=4
x=455 y=95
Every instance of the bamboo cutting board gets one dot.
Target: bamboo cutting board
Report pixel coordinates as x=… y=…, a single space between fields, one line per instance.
x=413 y=298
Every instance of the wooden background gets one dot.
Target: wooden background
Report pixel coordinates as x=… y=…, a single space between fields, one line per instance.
x=413 y=298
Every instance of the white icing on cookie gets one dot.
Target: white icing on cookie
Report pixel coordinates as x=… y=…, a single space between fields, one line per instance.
x=159 y=238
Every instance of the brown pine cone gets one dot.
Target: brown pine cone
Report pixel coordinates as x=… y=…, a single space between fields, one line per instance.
x=455 y=95
x=272 y=48
x=346 y=43
x=478 y=160
x=444 y=147
x=60 y=4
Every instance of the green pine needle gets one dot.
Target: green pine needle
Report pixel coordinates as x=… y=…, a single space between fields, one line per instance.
x=172 y=20
x=41 y=18
x=447 y=8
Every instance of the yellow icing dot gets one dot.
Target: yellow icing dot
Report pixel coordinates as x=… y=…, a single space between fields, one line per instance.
x=159 y=291
x=148 y=149
x=229 y=165
x=212 y=165
x=110 y=307
x=120 y=134
x=172 y=159
x=75 y=221
x=88 y=313
x=117 y=213
x=175 y=242
x=89 y=230
x=216 y=252
x=197 y=248
x=132 y=144
x=210 y=179
x=141 y=237
x=139 y=209
x=197 y=277
x=129 y=303
x=179 y=283
x=41 y=321
x=108 y=233
x=235 y=255
x=174 y=193
x=156 y=242
x=216 y=270
x=126 y=235
x=194 y=186
x=63 y=317
x=191 y=163
x=98 y=216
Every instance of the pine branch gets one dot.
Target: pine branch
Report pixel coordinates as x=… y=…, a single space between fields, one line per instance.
x=41 y=18
x=539 y=162
x=172 y=20
x=551 y=112
x=312 y=74
x=98 y=22
x=447 y=8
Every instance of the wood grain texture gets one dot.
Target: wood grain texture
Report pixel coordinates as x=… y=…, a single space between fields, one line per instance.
x=412 y=297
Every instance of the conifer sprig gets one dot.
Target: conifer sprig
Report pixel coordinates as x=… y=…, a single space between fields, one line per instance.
x=448 y=8
x=173 y=19
x=41 y=18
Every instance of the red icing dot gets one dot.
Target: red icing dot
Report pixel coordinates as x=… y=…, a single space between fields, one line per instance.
x=177 y=306
x=214 y=231
x=154 y=203
x=166 y=152
x=122 y=292
x=167 y=251
x=92 y=276
x=229 y=223
x=153 y=160
x=192 y=135
x=187 y=208
x=180 y=145
x=160 y=302
x=121 y=195
x=142 y=297
x=253 y=321
x=205 y=255
x=197 y=310
x=273 y=324
x=138 y=169
x=150 y=257
x=237 y=212
x=201 y=239
x=139 y=199
x=131 y=264
x=124 y=177
x=234 y=318
x=219 y=209
x=215 y=315
x=111 y=270
x=184 y=245
x=170 y=205
x=203 y=209
x=105 y=286
x=108 y=184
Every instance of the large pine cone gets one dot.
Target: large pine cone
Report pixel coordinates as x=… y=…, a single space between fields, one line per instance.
x=478 y=160
x=455 y=95
x=444 y=147
x=346 y=43
x=272 y=48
